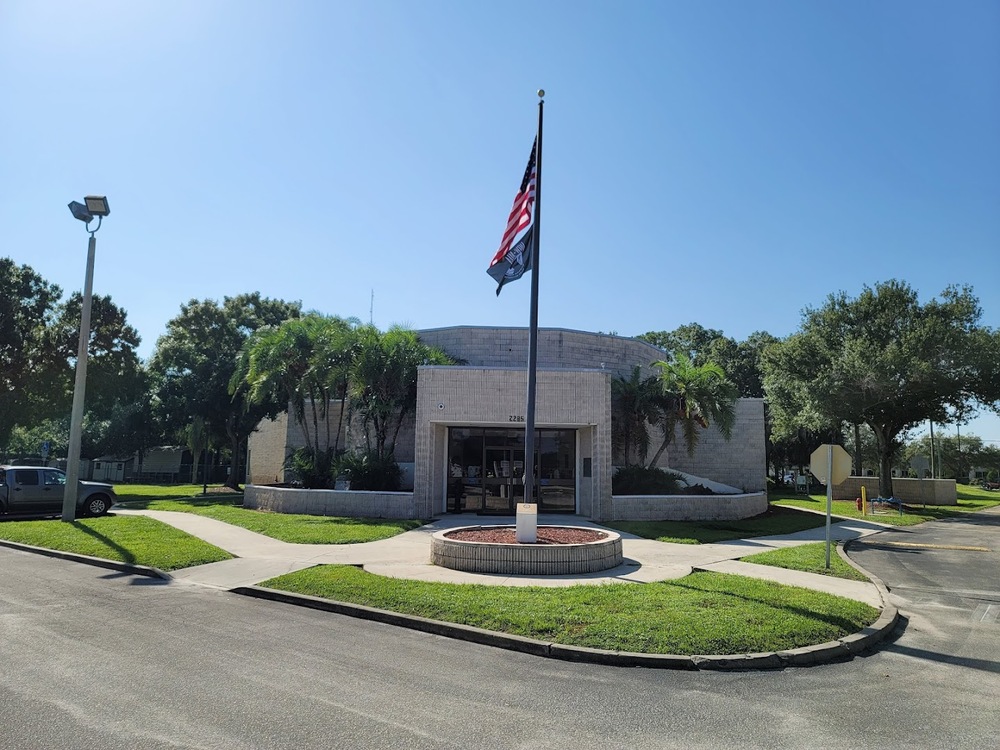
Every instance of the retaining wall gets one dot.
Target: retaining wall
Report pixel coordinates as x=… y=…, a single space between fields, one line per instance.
x=350 y=503
x=360 y=503
x=687 y=507
x=914 y=491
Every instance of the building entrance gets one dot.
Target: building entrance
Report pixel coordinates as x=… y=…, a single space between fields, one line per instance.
x=486 y=468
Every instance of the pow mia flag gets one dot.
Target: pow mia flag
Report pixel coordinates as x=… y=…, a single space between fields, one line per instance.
x=514 y=263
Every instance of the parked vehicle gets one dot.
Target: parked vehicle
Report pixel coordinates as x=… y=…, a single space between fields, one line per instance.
x=39 y=490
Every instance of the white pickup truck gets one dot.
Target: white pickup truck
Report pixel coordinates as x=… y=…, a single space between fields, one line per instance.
x=39 y=490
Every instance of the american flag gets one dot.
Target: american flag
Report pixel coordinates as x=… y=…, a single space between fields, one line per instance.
x=520 y=212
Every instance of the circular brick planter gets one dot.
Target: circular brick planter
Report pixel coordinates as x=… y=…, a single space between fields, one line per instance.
x=526 y=559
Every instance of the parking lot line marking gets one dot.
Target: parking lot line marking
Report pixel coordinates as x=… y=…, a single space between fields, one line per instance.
x=986 y=613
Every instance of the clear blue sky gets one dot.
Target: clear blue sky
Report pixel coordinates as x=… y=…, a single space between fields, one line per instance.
x=727 y=163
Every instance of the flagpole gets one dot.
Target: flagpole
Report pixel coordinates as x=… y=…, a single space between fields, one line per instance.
x=529 y=426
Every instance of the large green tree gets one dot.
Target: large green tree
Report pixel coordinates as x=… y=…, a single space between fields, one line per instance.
x=954 y=456
x=692 y=340
x=885 y=360
x=115 y=376
x=39 y=340
x=194 y=363
x=740 y=360
x=31 y=372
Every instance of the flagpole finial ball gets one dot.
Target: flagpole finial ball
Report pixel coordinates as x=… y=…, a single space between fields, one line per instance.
x=541 y=92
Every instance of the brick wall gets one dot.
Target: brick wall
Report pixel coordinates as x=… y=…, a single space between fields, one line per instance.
x=688 y=508
x=267 y=445
x=916 y=491
x=739 y=462
x=275 y=439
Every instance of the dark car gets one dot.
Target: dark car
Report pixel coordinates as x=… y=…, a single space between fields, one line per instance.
x=39 y=490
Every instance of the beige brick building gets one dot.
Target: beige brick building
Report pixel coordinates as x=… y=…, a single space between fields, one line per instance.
x=465 y=445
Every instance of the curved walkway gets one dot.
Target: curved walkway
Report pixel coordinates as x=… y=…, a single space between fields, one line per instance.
x=407 y=555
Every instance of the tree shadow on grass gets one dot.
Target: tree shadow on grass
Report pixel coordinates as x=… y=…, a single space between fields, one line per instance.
x=126 y=554
x=136 y=502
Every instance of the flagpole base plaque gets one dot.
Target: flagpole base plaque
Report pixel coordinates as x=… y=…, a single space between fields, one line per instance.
x=526 y=531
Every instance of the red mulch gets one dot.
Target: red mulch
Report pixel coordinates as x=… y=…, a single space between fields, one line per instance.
x=545 y=535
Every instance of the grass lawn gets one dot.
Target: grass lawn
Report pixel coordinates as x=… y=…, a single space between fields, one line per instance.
x=776 y=520
x=137 y=540
x=810 y=558
x=704 y=613
x=970 y=499
x=298 y=529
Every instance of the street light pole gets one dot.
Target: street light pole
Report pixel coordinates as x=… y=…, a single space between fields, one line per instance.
x=95 y=206
x=79 y=387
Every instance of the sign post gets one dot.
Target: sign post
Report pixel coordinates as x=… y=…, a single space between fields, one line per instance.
x=831 y=465
x=45 y=450
x=919 y=464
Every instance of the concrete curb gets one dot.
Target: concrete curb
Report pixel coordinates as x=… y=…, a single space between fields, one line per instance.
x=880 y=629
x=98 y=562
x=423 y=624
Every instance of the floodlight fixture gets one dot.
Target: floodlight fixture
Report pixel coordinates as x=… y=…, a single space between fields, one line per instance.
x=97 y=205
x=80 y=212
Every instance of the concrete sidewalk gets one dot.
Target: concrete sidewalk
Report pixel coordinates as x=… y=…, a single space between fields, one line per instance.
x=407 y=555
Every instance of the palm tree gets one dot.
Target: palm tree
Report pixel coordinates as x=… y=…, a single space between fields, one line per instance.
x=635 y=401
x=695 y=396
x=196 y=436
x=305 y=361
x=315 y=360
x=383 y=382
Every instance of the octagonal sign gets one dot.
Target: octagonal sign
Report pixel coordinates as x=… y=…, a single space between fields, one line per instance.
x=841 y=469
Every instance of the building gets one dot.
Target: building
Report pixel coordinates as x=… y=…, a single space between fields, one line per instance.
x=113 y=469
x=466 y=439
x=163 y=463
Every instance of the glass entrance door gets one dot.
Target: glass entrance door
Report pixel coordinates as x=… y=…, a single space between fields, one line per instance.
x=555 y=464
x=504 y=479
x=486 y=470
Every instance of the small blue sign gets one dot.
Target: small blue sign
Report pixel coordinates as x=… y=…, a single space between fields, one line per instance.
x=45 y=449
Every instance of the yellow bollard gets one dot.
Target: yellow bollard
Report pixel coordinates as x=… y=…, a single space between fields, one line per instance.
x=864 y=500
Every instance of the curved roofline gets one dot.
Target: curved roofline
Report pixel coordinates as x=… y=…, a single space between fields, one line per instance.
x=503 y=368
x=525 y=328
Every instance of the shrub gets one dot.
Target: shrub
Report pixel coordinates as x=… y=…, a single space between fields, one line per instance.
x=369 y=471
x=314 y=470
x=642 y=480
